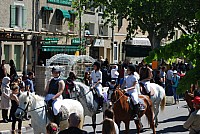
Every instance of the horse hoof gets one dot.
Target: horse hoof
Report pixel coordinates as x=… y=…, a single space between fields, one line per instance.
x=141 y=130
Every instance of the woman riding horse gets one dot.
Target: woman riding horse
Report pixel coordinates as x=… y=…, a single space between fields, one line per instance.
x=130 y=82
x=121 y=105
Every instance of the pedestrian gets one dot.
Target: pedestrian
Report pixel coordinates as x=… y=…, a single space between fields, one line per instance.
x=96 y=80
x=163 y=76
x=146 y=75
x=74 y=121
x=86 y=78
x=5 y=98
x=158 y=79
x=29 y=82
x=192 y=122
x=168 y=81
x=54 y=90
x=129 y=84
x=110 y=115
x=175 y=82
x=13 y=72
x=69 y=85
x=3 y=71
x=51 y=128
x=114 y=73
x=108 y=126
x=14 y=105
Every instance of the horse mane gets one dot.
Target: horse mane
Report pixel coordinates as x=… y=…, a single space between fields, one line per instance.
x=82 y=86
x=36 y=97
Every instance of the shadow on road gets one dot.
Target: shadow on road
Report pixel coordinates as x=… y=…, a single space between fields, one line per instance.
x=178 y=128
x=180 y=118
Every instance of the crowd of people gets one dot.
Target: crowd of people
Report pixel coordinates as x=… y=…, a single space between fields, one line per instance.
x=11 y=87
x=125 y=75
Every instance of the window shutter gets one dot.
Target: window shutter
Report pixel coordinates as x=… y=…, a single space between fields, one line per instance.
x=12 y=15
x=24 y=17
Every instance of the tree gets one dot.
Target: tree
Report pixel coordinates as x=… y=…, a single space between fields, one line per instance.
x=187 y=47
x=157 y=17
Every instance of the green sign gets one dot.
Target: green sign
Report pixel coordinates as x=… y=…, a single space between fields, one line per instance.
x=76 y=41
x=51 y=41
x=61 y=2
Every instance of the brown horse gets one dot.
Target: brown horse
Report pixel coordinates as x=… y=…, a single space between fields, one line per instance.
x=123 y=111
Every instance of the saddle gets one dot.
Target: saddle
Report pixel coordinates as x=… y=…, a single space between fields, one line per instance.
x=63 y=114
x=143 y=90
x=142 y=106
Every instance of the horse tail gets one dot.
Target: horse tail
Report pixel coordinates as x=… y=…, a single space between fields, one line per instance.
x=81 y=123
x=163 y=103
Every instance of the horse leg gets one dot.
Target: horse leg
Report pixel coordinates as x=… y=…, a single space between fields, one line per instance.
x=149 y=114
x=137 y=123
x=94 y=122
x=156 y=114
x=127 y=127
x=118 y=123
x=141 y=126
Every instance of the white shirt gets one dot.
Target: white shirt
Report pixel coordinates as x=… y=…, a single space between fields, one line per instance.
x=114 y=73
x=96 y=76
x=169 y=74
x=130 y=79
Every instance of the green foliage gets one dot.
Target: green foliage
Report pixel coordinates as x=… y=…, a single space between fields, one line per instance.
x=188 y=47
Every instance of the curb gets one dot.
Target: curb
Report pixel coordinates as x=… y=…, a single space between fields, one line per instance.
x=24 y=129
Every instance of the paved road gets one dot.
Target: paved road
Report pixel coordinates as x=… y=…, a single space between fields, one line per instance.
x=170 y=121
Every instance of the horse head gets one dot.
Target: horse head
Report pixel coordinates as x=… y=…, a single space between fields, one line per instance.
x=25 y=102
x=116 y=95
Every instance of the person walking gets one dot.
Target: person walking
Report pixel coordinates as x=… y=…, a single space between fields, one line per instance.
x=14 y=105
x=13 y=72
x=175 y=82
x=192 y=122
x=29 y=82
x=5 y=98
x=168 y=81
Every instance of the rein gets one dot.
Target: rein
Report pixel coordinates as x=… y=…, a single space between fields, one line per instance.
x=119 y=98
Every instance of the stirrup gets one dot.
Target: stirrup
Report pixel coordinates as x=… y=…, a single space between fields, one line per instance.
x=136 y=117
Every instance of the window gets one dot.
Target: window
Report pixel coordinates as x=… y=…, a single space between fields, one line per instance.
x=45 y=19
x=17 y=56
x=103 y=30
x=7 y=52
x=17 y=16
x=59 y=18
x=101 y=8
x=71 y=22
x=90 y=27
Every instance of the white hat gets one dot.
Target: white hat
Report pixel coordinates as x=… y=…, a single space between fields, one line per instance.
x=175 y=72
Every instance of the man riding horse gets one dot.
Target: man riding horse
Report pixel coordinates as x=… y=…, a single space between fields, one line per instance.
x=146 y=75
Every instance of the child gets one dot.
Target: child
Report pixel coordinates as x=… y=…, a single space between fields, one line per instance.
x=51 y=128
x=14 y=105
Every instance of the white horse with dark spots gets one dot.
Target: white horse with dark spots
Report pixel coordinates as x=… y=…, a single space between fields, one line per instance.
x=36 y=106
x=86 y=97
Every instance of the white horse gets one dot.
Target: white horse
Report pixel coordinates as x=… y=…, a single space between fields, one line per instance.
x=158 y=98
x=83 y=94
x=36 y=105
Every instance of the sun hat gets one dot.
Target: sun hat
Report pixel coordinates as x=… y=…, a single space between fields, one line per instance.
x=175 y=72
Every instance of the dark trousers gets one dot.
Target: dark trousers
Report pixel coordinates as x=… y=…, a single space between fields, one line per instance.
x=5 y=114
x=14 y=120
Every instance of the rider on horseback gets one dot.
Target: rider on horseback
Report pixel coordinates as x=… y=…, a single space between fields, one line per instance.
x=145 y=77
x=54 y=90
x=130 y=82
x=96 y=80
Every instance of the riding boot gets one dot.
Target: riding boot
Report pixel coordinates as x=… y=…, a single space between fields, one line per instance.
x=136 y=112
x=57 y=118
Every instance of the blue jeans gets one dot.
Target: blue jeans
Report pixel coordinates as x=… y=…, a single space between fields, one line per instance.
x=176 y=97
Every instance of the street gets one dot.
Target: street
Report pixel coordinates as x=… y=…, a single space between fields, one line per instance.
x=170 y=121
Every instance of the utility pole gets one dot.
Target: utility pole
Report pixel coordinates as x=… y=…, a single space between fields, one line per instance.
x=80 y=25
x=36 y=29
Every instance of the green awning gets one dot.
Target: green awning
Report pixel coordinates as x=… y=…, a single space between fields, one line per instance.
x=46 y=8
x=61 y=48
x=65 y=13
x=72 y=11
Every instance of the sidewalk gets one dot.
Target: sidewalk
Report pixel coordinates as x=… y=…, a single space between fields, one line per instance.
x=5 y=128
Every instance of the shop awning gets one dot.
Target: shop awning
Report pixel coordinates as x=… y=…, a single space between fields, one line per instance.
x=61 y=48
x=46 y=8
x=72 y=11
x=65 y=13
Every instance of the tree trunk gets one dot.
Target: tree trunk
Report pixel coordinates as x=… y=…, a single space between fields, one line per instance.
x=155 y=42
